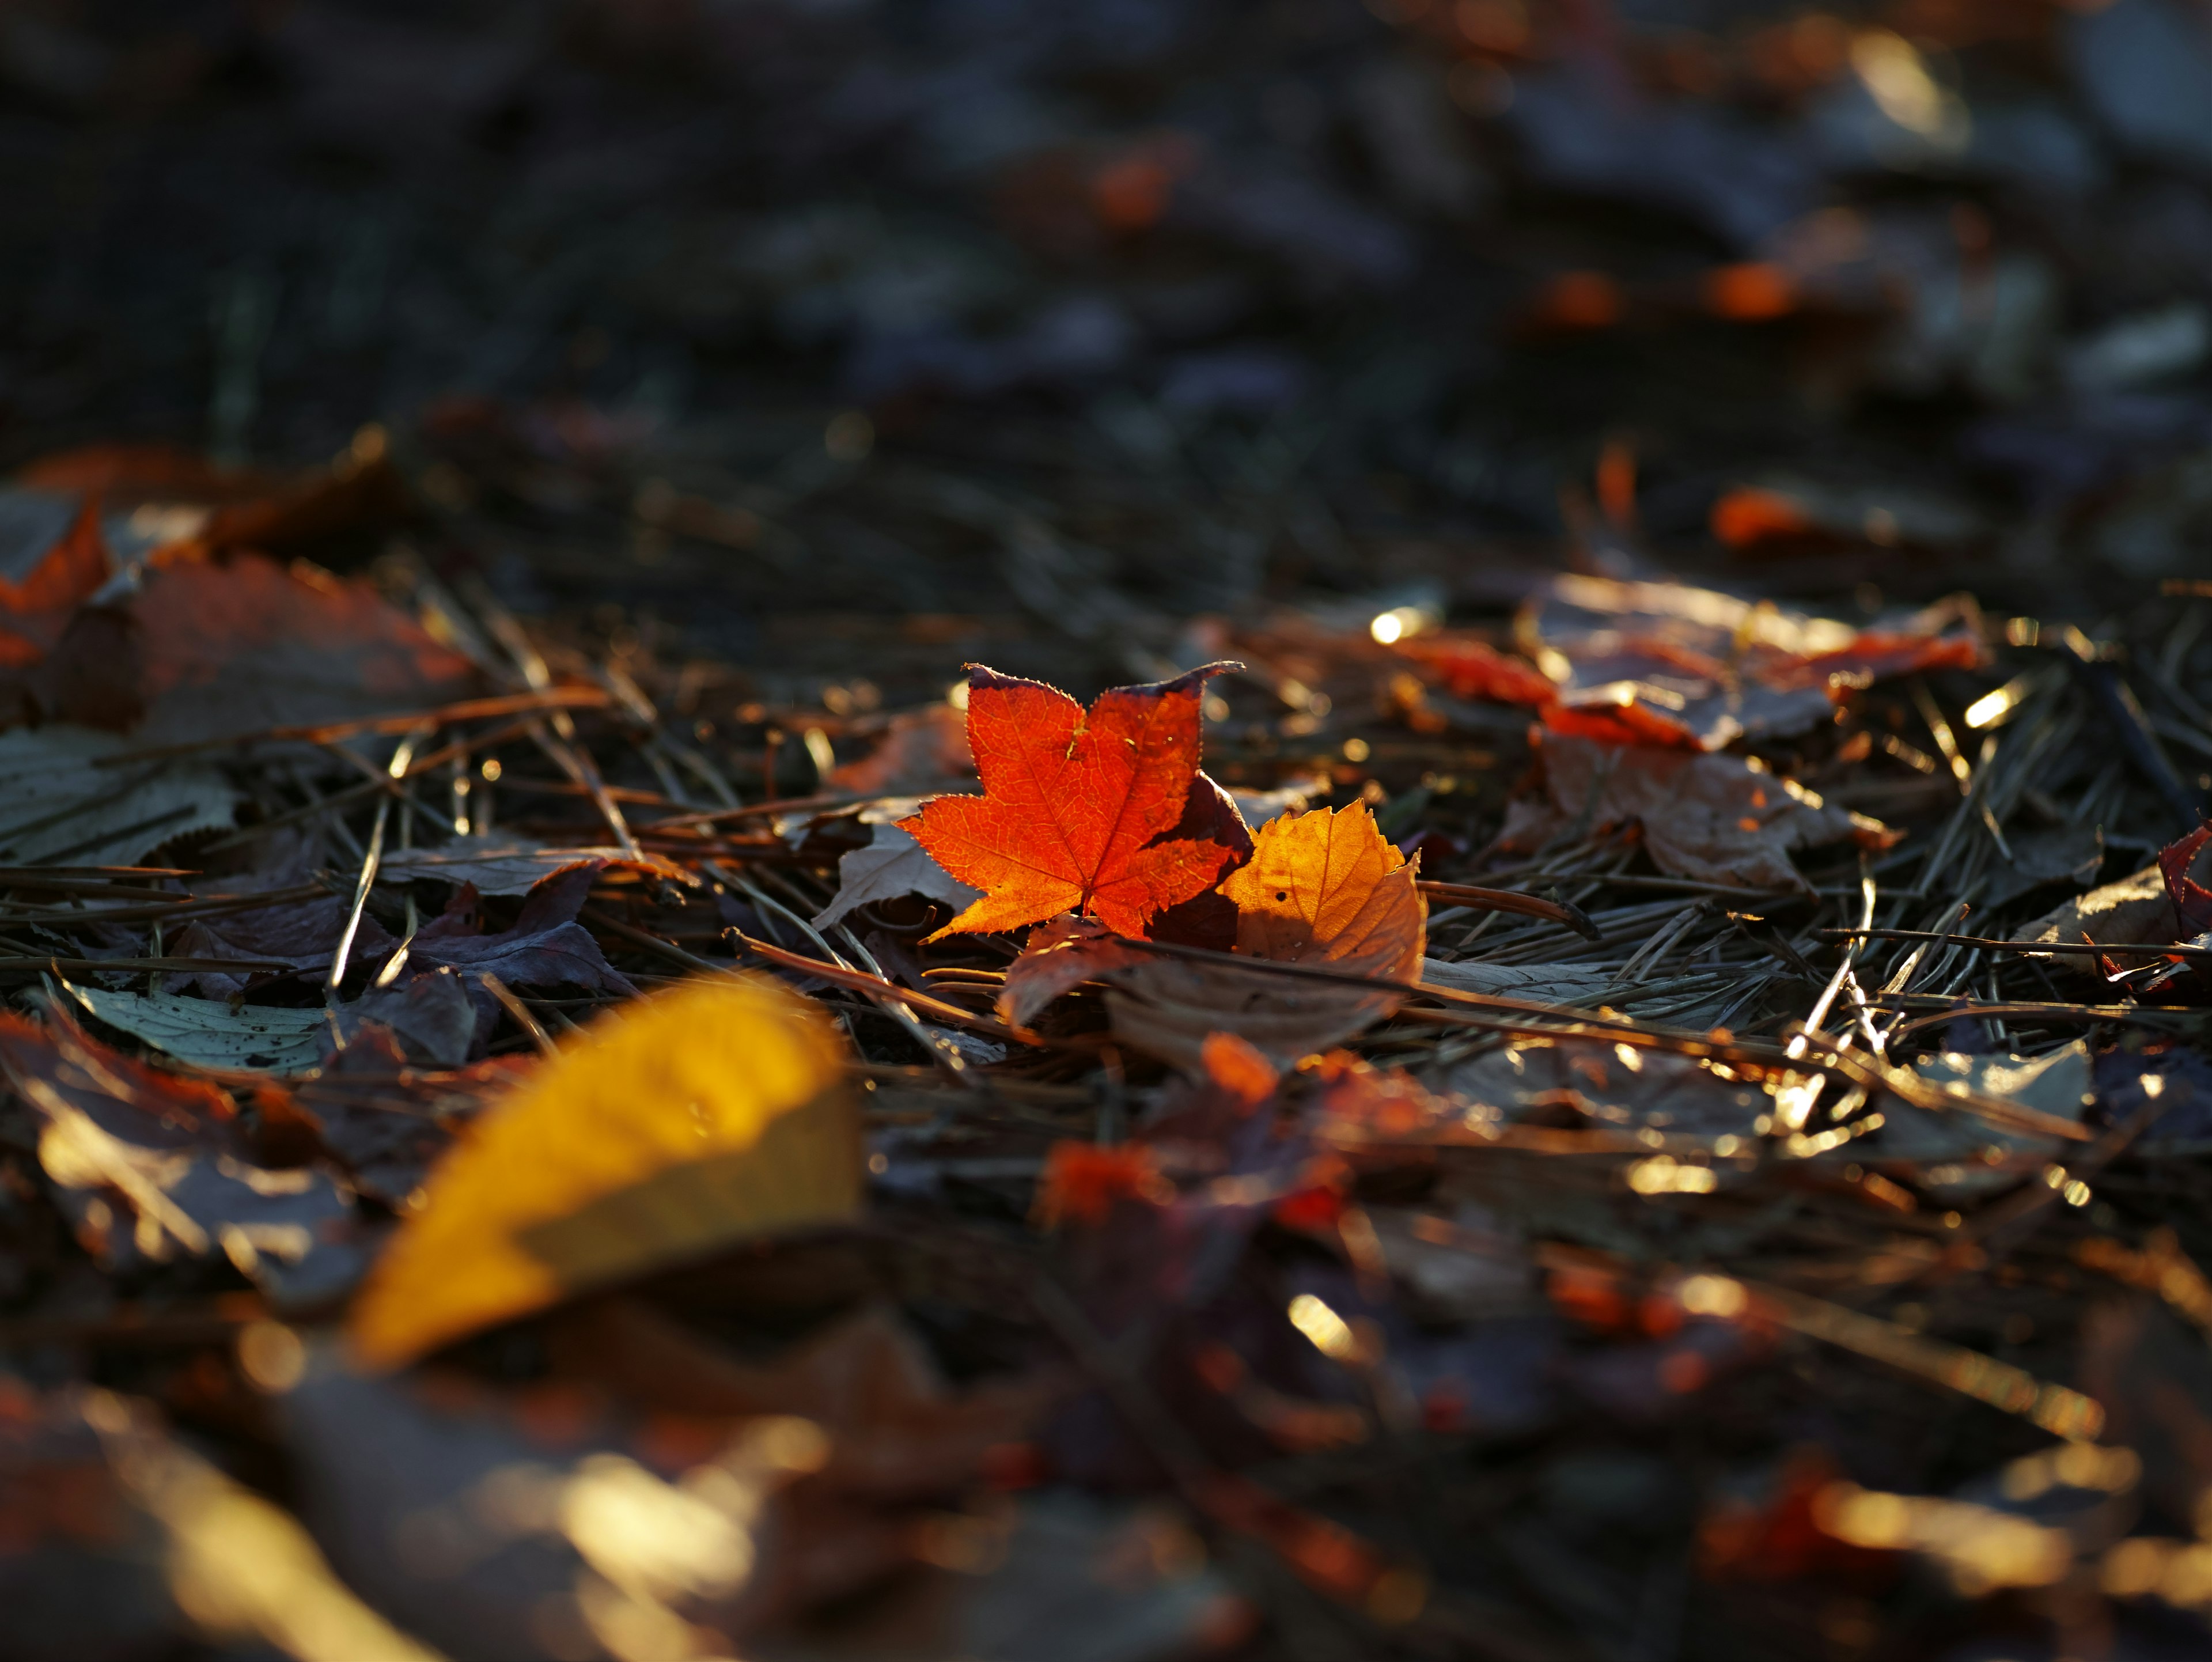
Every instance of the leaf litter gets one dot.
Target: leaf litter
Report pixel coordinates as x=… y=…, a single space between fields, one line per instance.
x=1581 y=1035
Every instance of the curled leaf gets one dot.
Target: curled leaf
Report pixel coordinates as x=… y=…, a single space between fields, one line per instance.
x=710 y=1114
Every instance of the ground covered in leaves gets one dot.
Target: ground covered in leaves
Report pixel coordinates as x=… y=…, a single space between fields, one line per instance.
x=1130 y=831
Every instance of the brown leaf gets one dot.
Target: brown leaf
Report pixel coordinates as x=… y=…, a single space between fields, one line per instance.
x=921 y=751
x=2135 y=910
x=1062 y=952
x=1169 y=1008
x=1719 y=819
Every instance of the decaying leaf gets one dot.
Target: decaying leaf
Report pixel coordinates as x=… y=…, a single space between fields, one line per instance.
x=211 y=649
x=1060 y=953
x=78 y=795
x=1719 y=819
x=2186 y=866
x=1962 y=1154
x=2137 y=910
x=502 y=864
x=1075 y=804
x=892 y=865
x=709 y=1114
x=1324 y=888
x=36 y=608
x=1328 y=886
x=1671 y=663
x=1611 y=1086
x=920 y=751
x=212 y=1033
x=149 y=1169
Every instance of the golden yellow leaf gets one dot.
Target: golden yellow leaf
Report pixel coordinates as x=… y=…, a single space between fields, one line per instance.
x=1329 y=888
x=709 y=1114
x=1321 y=888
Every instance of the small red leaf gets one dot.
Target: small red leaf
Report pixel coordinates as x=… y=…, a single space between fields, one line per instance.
x=1075 y=804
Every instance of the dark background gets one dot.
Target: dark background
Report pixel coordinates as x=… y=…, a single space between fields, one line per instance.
x=1135 y=309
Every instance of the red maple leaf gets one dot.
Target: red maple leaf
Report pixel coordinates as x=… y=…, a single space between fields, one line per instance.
x=1074 y=804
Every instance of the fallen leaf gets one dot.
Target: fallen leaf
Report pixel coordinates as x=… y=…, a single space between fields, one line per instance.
x=77 y=794
x=149 y=1167
x=303 y=934
x=2135 y=911
x=710 y=1114
x=211 y=1033
x=1074 y=802
x=891 y=867
x=2180 y=863
x=432 y=1018
x=213 y=649
x=1718 y=818
x=1612 y=1086
x=1061 y=953
x=1667 y=663
x=1328 y=886
x=501 y=865
x=34 y=610
x=1955 y=1153
x=1169 y=1008
x=544 y=947
x=1470 y=667
x=921 y=751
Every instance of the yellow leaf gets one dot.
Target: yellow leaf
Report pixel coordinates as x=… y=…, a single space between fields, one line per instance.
x=1329 y=888
x=1322 y=888
x=712 y=1113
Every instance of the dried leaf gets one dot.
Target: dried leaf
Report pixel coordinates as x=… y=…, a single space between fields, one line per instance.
x=211 y=1033
x=1170 y=1007
x=1718 y=818
x=891 y=867
x=1470 y=667
x=208 y=649
x=921 y=751
x=2181 y=864
x=71 y=797
x=710 y=1114
x=501 y=865
x=1671 y=663
x=1954 y=1151
x=34 y=610
x=545 y=948
x=147 y=1168
x=2135 y=911
x=1328 y=886
x=1074 y=802
x=1061 y=953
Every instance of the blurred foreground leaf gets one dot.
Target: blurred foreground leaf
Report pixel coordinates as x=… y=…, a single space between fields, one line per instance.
x=707 y=1115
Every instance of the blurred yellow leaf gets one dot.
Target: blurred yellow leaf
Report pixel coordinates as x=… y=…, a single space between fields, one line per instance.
x=709 y=1114
x=1329 y=888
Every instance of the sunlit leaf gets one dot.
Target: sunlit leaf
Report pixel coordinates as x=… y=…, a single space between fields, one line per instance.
x=700 y=1116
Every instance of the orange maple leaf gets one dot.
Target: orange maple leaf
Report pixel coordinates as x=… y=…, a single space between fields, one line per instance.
x=1074 y=802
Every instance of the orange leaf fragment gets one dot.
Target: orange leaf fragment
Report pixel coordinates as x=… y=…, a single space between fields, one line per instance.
x=1082 y=1181
x=1075 y=804
x=34 y=611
